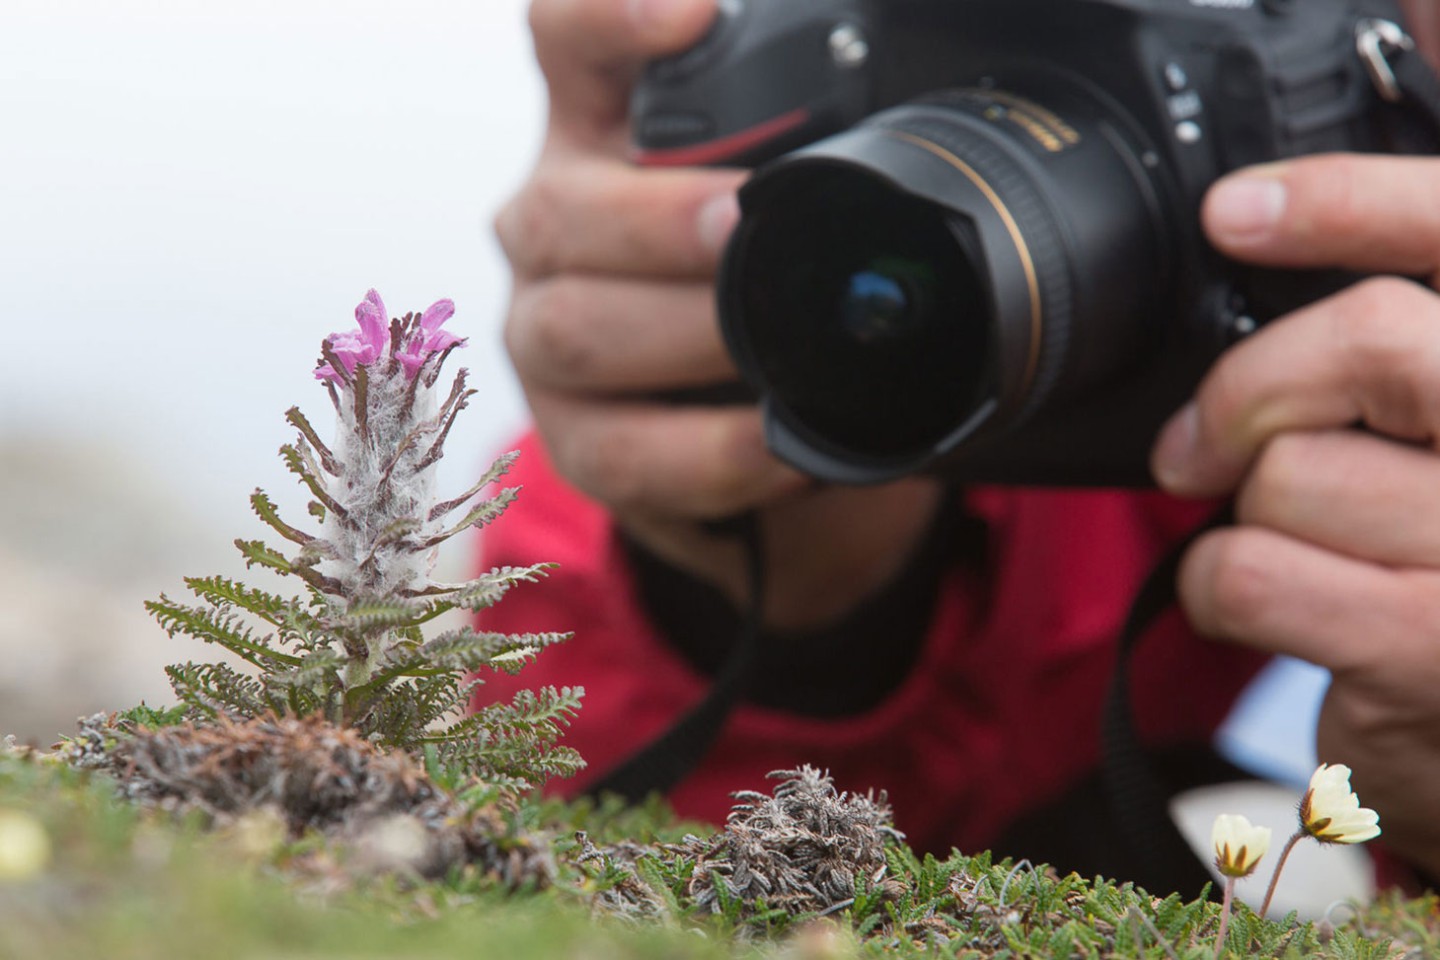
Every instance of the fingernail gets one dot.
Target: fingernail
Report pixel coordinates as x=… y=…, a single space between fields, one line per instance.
x=717 y=220
x=1175 y=449
x=1246 y=208
x=649 y=14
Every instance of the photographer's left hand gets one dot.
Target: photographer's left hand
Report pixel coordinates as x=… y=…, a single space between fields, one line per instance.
x=1335 y=557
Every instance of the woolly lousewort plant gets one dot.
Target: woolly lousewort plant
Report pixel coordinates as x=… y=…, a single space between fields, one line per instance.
x=352 y=648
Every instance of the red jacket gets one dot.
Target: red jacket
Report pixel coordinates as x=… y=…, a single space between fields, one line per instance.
x=1000 y=715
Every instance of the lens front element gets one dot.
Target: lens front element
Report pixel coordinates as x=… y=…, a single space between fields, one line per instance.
x=865 y=307
x=887 y=299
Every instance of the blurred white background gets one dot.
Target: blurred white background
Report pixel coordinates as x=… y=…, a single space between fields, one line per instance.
x=192 y=195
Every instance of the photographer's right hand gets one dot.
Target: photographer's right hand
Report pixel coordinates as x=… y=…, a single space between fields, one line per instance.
x=613 y=304
x=612 y=295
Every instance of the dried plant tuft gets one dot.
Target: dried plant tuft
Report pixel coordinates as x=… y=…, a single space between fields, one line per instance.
x=802 y=849
x=312 y=777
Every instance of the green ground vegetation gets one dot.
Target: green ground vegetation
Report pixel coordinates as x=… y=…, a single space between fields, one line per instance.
x=127 y=881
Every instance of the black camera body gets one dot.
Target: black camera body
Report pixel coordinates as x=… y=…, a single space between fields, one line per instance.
x=971 y=244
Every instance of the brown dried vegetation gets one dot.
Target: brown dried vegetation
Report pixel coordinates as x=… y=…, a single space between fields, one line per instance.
x=314 y=777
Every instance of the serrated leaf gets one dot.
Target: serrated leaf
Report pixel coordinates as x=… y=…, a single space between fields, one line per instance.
x=222 y=591
x=217 y=626
x=265 y=510
x=467 y=649
x=258 y=553
x=296 y=463
x=318 y=666
x=371 y=614
x=498 y=469
x=486 y=512
x=216 y=689
x=327 y=459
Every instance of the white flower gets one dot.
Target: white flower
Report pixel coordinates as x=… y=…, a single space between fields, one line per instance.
x=1331 y=813
x=24 y=845
x=1239 y=845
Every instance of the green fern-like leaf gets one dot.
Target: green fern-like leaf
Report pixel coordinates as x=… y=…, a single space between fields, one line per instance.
x=266 y=511
x=485 y=513
x=536 y=715
x=397 y=718
x=257 y=553
x=515 y=740
x=308 y=435
x=221 y=592
x=466 y=649
x=320 y=666
x=221 y=627
x=488 y=589
x=215 y=690
x=371 y=614
x=298 y=464
x=150 y=718
x=499 y=468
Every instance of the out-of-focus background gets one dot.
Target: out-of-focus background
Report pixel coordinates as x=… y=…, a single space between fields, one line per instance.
x=191 y=196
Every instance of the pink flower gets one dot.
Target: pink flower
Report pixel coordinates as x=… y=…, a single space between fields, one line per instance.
x=374 y=322
x=365 y=345
x=429 y=339
x=418 y=343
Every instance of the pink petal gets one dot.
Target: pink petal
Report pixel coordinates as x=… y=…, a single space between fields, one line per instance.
x=436 y=314
x=350 y=350
x=374 y=321
x=412 y=361
x=441 y=340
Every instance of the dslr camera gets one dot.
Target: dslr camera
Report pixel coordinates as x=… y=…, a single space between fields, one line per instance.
x=971 y=241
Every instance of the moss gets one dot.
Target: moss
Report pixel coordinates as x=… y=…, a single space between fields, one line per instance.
x=130 y=883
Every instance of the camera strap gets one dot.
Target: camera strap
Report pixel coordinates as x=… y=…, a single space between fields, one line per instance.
x=663 y=762
x=1139 y=800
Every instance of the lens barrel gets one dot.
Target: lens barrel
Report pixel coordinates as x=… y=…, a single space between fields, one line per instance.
x=938 y=275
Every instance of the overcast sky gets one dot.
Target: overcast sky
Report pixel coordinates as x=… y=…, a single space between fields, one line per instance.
x=193 y=194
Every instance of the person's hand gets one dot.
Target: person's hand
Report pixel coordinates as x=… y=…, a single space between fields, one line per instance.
x=613 y=304
x=1335 y=557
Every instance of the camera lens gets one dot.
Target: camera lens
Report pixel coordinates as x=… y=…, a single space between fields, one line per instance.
x=874 y=298
x=937 y=275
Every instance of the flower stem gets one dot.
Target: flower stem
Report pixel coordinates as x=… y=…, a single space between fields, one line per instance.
x=1279 y=865
x=1225 y=907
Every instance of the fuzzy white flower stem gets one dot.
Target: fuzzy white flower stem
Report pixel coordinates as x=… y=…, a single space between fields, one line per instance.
x=1279 y=865
x=1225 y=907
